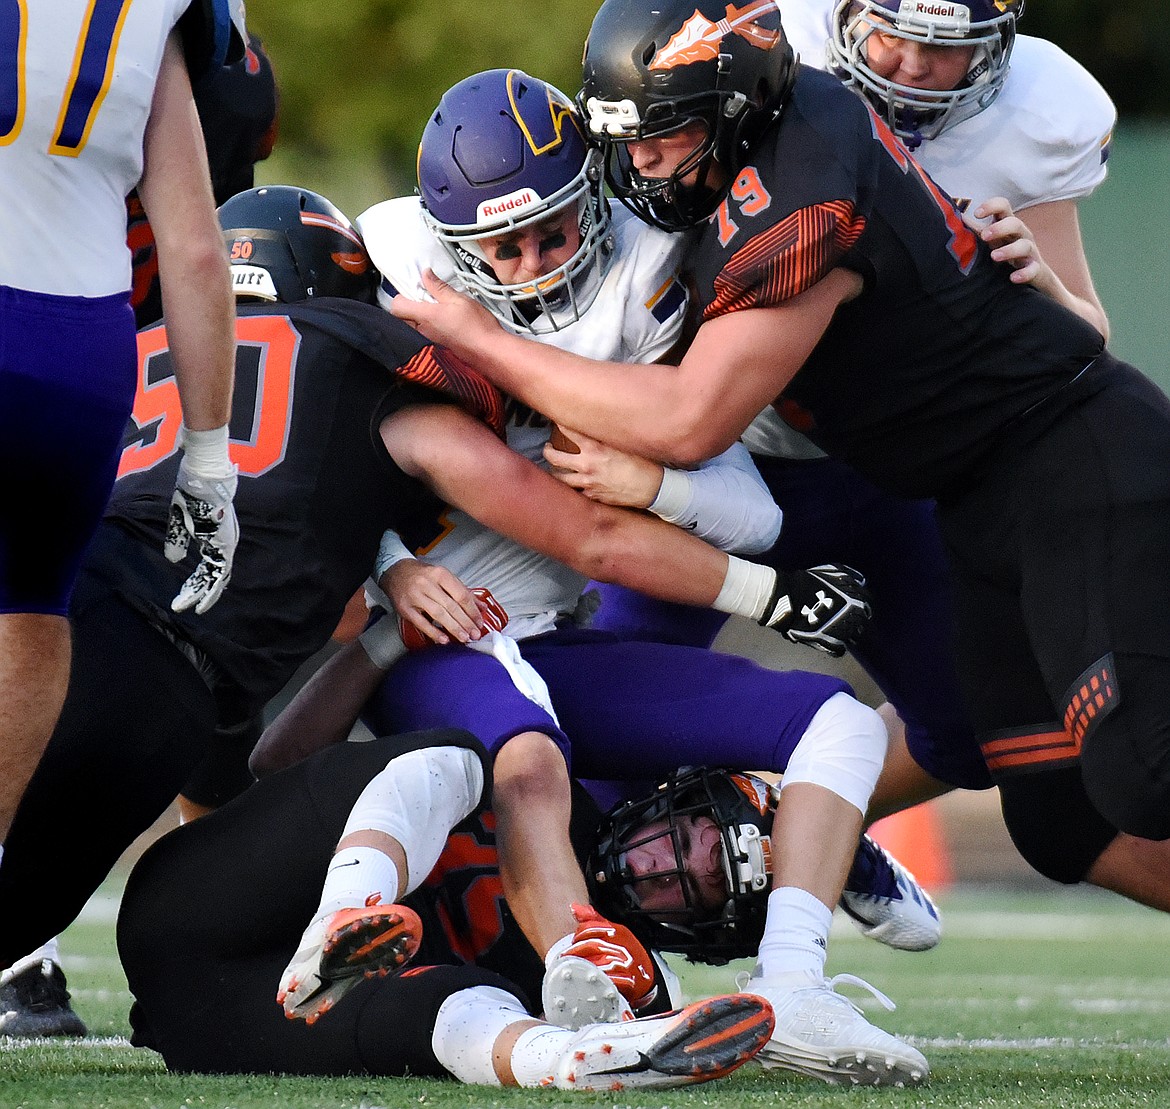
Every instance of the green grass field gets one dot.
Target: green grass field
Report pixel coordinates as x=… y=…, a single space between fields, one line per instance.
x=1055 y=999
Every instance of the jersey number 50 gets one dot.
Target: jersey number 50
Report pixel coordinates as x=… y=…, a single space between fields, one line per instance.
x=266 y=358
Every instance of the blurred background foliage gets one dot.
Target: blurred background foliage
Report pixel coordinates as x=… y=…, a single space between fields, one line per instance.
x=362 y=75
x=358 y=79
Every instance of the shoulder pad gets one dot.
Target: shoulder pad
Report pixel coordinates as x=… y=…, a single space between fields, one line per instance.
x=213 y=35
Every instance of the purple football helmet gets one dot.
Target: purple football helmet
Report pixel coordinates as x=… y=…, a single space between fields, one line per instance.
x=918 y=114
x=504 y=150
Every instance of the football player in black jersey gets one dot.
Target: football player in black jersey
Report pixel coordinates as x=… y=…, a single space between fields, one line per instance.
x=837 y=282
x=154 y=691
x=213 y=911
x=318 y=369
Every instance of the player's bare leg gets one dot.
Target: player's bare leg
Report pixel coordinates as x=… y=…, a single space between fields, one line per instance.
x=902 y=783
x=395 y=834
x=595 y=969
x=1136 y=868
x=815 y=831
x=541 y=876
x=34 y=675
x=483 y=1035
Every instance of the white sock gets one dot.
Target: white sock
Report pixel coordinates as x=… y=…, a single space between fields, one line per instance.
x=796 y=934
x=354 y=874
x=466 y=1029
x=48 y=950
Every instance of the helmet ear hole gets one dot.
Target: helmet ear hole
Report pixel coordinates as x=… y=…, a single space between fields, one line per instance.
x=289 y=244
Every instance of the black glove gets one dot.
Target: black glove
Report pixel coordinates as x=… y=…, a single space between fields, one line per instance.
x=826 y=607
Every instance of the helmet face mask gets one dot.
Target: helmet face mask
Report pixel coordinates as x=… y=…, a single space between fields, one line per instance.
x=915 y=114
x=672 y=202
x=740 y=807
x=647 y=73
x=288 y=244
x=502 y=153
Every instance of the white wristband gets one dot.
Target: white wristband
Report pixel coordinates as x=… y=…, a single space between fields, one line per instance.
x=391 y=551
x=206 y=452
x=747 y=588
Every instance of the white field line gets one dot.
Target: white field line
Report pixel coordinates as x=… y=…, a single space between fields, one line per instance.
x=1040 y=1043
x=1050 y=927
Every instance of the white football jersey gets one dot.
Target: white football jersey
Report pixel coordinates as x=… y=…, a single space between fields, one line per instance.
x=1044 y=138
x=637 y=317
x=71 y=145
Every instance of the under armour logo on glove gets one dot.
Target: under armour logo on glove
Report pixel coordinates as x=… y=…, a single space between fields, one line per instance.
x=826 y=607
x=614 y=950
x=813 y=615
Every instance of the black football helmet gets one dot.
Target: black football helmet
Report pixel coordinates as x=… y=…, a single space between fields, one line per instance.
x=289 y=244
x=652 y=66
x=741 y=806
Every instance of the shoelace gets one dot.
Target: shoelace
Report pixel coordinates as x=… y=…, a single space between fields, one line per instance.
x=744 y=977
x=853 y=980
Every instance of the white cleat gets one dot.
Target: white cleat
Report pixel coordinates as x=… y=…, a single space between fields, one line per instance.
x=887 y=904
x=823 y=1035
x=695 y=1044
x=576 y=992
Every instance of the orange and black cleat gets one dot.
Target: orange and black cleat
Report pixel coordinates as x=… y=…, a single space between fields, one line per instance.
x=702 y=1041
x=337 y=951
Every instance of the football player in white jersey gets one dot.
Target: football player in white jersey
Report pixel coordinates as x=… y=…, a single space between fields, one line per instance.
x=536 y=279
x=987 y=112
x=102 y=103
x=512 y=208
x=622 y=274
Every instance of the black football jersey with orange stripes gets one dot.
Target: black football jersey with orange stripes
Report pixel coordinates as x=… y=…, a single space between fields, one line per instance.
x=916 y=377
x=465 y=916
x=316 y=486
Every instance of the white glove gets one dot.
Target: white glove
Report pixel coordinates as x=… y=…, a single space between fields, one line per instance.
x=201 y=509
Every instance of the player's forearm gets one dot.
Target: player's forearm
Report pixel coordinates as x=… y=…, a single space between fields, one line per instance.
x=640 y=409
x=201 y=331
x=321 y=714
x=193 y=267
